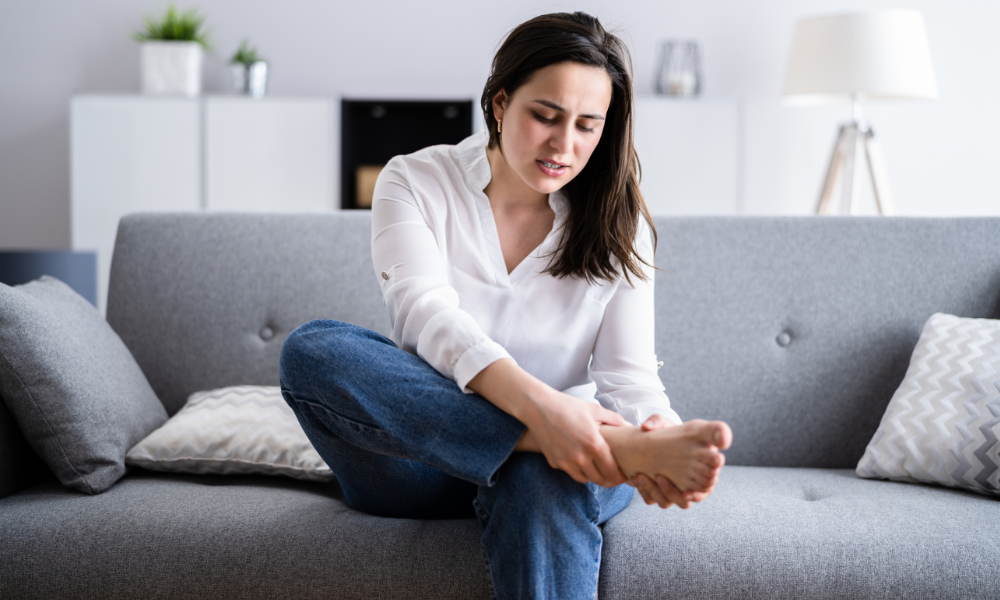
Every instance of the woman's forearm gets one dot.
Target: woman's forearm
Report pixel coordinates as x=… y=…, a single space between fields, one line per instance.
x=511 y=389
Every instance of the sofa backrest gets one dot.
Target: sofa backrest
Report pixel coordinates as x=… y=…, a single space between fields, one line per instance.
x=795 y=330
x=205 y=300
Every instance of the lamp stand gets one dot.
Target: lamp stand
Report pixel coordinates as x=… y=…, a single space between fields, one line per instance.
x=854 y=139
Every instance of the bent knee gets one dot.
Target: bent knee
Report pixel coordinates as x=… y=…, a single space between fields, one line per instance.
x=309 y=344
x=327 y=346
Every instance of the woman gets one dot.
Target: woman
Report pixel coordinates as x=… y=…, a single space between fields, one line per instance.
x=516 y=268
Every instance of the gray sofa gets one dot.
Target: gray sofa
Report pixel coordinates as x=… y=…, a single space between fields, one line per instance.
x=795 y=330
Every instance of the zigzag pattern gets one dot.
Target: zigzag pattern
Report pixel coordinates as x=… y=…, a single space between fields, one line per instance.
x=235 y=430
x=942 y=424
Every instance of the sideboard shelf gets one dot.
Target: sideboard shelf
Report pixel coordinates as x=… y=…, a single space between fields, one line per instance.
x=135 y=153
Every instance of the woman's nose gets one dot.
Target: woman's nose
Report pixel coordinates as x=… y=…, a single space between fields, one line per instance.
x=561 y=140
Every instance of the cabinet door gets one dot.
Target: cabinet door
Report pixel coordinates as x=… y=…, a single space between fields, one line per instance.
x=271 y=154
x=690 y=155
x=129 y=154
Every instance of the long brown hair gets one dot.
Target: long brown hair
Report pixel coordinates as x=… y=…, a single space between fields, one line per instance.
x=605 y=201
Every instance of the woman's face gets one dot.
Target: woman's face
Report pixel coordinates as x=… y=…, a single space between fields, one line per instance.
x=552 y=123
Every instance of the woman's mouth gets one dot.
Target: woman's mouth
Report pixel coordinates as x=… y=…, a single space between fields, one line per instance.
x=552 y=169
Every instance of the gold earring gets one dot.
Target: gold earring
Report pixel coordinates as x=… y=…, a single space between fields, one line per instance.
x=499 y=121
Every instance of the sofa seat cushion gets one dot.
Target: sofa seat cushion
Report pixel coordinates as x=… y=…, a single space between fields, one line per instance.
x=765 y=533
x=158 y=535
x=806 y=533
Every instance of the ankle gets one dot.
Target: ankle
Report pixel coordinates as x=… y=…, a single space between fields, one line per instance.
x=617 y=436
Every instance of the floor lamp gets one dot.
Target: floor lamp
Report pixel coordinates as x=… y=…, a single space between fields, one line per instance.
x=877 y=55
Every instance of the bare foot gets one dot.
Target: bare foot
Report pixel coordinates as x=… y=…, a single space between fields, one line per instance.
x=688 y=454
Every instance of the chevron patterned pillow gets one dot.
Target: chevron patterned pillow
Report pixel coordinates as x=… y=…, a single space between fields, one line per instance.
x=235 y=430
x=942 y=424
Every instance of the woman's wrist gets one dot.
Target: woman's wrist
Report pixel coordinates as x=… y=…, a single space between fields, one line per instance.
x=513 y=390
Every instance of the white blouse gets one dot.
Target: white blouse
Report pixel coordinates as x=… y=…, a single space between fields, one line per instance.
x=438 y=259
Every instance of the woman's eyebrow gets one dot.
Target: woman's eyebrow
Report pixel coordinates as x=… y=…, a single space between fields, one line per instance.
x=555 y=106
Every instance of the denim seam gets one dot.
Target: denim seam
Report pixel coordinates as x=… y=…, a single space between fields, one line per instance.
x=485 y=516
x=356 y=425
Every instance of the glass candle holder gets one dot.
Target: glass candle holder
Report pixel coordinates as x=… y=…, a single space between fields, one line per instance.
x=679 y=73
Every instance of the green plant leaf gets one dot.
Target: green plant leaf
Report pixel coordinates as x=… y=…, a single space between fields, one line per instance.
x=186 y=26
x=245 y=54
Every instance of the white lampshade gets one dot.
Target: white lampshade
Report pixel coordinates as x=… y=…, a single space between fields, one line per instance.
x=881 y=55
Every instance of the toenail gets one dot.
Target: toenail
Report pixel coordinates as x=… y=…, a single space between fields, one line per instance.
x=718 y=438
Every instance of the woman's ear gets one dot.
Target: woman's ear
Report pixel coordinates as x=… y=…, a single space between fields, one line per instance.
x=499 y=104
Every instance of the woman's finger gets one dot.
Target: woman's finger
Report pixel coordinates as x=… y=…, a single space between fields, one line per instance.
x=593 y=474
x=579 y=475
x=644 y=492
x=607 y=466
x=610 y=474
x=608 y=417
x=670 y=491
x=653 y=492
x=655 y=422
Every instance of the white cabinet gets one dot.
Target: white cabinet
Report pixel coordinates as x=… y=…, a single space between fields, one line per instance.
x=270 y=154
x=691 y=155
x=140 y=153
x=129 y=154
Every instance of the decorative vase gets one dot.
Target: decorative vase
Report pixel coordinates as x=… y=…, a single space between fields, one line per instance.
x=680 y=69
x=171 y=68
x=249 y=79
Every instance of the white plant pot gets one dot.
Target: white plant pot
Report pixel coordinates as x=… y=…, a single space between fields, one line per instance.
x=171 y=68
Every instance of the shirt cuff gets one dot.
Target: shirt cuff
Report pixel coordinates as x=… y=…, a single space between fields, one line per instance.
x=474 y=360
x=647 y=409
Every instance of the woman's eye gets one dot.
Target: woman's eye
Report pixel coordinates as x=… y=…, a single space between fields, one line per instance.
x=587 y=129
x=543 y=119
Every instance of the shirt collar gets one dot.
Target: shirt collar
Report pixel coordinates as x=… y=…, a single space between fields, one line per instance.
x=472 y=157
x=475 y=164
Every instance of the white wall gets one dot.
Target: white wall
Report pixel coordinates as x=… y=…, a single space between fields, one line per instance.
x=941 y=155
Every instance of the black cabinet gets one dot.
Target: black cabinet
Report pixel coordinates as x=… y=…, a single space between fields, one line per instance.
x=373 y=131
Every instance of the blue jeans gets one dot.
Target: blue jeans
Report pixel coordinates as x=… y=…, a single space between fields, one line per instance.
x=405 y=442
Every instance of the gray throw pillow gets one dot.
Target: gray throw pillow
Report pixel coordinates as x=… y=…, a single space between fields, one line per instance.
x=942 y=424
x=73 y=387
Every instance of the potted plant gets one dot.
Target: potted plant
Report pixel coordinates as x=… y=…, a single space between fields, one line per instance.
x=249 y=71
x=172 y=52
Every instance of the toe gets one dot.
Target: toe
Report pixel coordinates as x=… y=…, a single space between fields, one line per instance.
x=709 y=457
x=699 y=483
x=722 y=434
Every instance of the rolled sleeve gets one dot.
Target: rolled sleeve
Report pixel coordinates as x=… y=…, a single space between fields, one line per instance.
x=474 y=360
x=423 y=308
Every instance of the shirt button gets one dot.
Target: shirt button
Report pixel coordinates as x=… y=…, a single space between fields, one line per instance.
x=385 y=275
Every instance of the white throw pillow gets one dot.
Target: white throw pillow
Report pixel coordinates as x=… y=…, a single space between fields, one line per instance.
x=942 y=424
x=235 y=430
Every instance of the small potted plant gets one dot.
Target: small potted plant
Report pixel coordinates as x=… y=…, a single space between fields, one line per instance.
x=172 y=52
x=249 y=71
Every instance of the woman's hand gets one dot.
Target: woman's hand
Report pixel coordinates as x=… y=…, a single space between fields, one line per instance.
x=562 y=427
x=566 y=430
x=660 y=490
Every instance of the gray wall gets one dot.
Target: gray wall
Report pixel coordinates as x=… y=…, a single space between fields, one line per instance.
x=941 y=155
